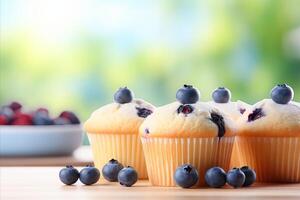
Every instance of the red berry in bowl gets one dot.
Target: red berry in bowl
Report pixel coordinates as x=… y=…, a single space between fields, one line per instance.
x=3 y=120
x=70 y=116
x=15 y=106
x=22 y=119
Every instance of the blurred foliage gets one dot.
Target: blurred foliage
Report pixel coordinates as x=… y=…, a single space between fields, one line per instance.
x=75 y=54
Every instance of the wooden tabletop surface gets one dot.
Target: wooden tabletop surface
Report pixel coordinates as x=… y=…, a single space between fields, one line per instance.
x=43 y=183
x=81 y=157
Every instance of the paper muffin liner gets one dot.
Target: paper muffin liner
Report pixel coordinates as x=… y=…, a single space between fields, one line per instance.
x=275 y=159
x=164 y=155
x=235 y=157
x=126 y=148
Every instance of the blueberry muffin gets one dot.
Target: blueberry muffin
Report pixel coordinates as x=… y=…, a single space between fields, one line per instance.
x=269 y=137
x=185 y=132
x=113 y=131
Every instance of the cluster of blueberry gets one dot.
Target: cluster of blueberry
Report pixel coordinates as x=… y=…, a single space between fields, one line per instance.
x=113 y=171
x=187 y=176
x=12 y=114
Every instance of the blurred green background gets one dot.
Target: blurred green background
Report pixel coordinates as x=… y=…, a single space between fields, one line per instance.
x=75 y=54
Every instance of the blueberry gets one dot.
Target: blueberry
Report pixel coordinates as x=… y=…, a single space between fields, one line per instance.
x=250 y=176
x=235 y=177
x=256 y=114
x=89 y=175
x=42 y=111
x=185 y=109
x=187 y=94
x=143 y=112
x=41 y=119
x=7 y=112
x=127 y=176
x=61 y=121
x=218 y=120
x=186 y=176
x=70 y=116
x=68 y=175
x=282 y=94
x=111 y=170
x=215 y=177
x=123 y=95
x=221 y=95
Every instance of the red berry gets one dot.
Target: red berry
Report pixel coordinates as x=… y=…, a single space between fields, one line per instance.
x=15 y=106
x=22 y=119
x=70 y=116
x=3 y=120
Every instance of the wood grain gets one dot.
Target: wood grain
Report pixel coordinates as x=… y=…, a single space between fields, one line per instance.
x=43 y=183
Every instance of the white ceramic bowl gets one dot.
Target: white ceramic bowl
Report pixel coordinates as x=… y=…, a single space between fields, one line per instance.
x=39 y=140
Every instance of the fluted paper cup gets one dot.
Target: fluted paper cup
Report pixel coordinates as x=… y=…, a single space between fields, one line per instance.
x=164 y=155
x=275 y=159
x=126 y=148
x=235 y=157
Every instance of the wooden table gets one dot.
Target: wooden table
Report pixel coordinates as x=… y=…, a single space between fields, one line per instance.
x=43 y=183
x=81 y=157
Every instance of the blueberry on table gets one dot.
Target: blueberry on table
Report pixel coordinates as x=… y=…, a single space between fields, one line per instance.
x=188 y=94
x=250 y=176
x=215 y=177
x=127 y=176
x=123 y=95
x=221 y=95
x=186 y=176
x=111 y=170
x=282 y=94
x=89 y=175
x=235 y=177
x=70 y=116
x=68 y=175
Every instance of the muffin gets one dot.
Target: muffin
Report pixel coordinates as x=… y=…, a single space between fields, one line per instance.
x=113 y=131
x=186 y=132
x=269 y=137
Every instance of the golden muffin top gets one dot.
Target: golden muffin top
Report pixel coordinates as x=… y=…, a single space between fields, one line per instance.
x=124 y=116
x=267 y=118
x=234 y=109
x=222 y=100
x=187 y=117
